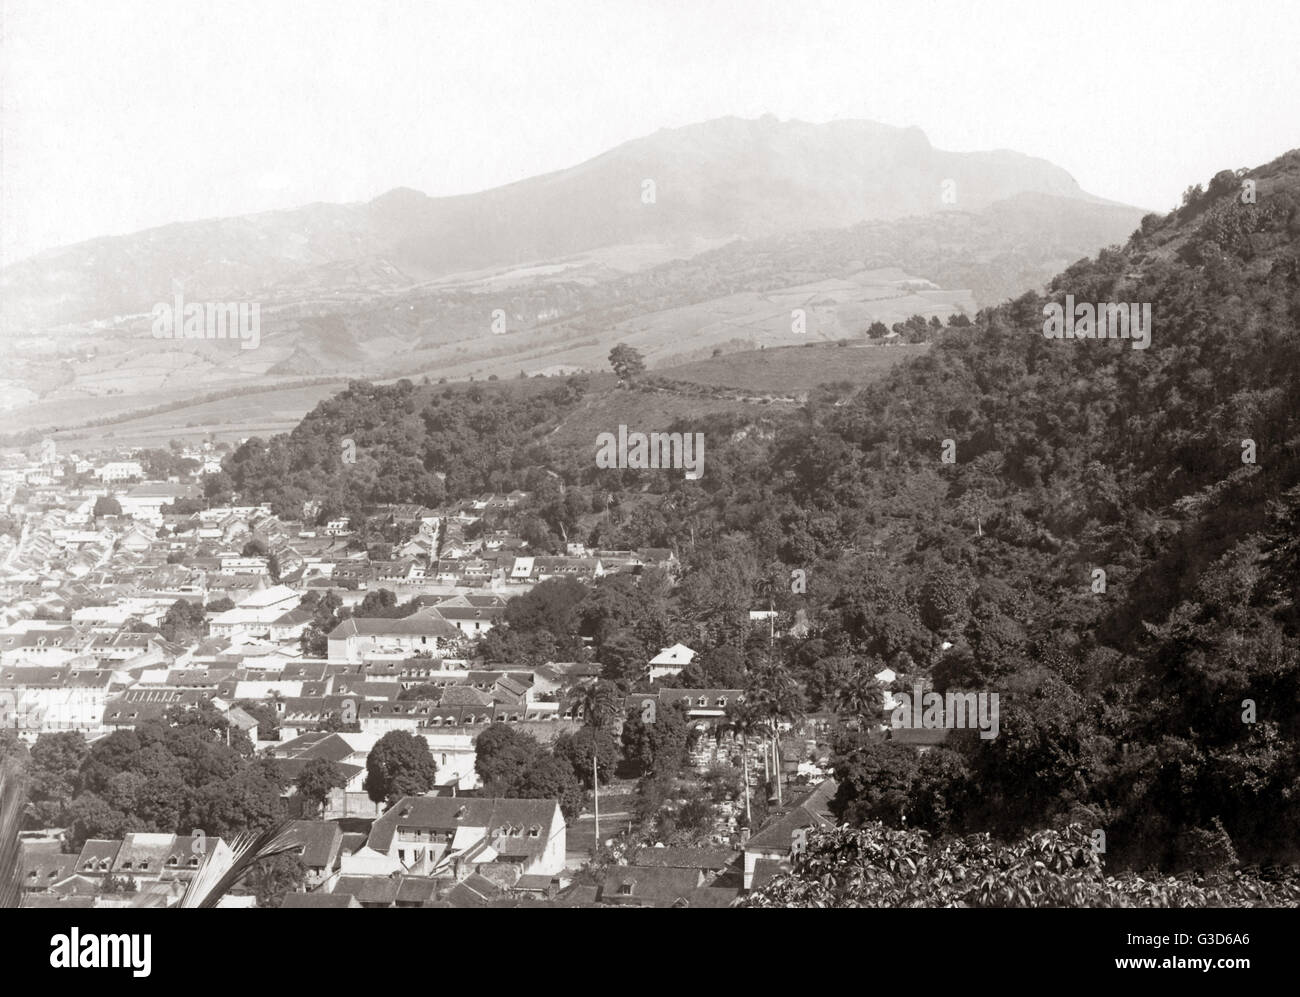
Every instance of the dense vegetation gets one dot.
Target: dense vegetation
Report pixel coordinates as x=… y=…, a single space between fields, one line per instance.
x=168 y=775
x=1098 y=552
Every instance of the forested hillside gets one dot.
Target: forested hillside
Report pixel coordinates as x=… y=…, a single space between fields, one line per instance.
x=1156 y=700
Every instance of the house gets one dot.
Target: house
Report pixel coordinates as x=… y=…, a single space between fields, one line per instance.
x=423 y=630
x=670 y=661
x=143 y=856
x=120 y=470
x=711 y=862
x=774 y=840
x=649 y=886
x=145 y=501
x=449 y=835
x=471 y=620
x=314 y=900
x=699 y=703
x=369 y=891
x=319 y=843
x=42 y=865
x=97 y=857
x=291 y=758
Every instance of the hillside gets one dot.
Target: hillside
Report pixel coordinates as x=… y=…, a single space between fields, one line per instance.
x=849 y=222
x=1098 y=553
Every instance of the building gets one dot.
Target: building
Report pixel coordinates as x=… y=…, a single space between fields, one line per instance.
x=454 y=836
x=772 y=843
x=670 y=661
x=424 y=630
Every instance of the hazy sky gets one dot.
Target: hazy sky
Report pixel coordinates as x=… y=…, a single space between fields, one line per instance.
x=117 y=116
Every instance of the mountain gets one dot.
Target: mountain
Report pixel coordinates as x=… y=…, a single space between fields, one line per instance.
x=719 y=180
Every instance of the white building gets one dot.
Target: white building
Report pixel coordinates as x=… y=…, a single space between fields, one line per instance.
x=670 y=661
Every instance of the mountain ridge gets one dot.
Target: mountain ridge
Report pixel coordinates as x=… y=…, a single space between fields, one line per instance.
x=713 y=180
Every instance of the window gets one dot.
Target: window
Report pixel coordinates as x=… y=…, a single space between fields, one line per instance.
x=722 y=701
x=703 y=701
x=625 y=889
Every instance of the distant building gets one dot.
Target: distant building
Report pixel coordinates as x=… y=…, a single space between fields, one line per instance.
x=670 y=661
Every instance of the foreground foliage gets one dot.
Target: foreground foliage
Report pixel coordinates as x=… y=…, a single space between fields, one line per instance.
x=873 y=866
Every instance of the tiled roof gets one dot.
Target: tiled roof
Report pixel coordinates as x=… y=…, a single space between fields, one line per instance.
x=320 y=840
x=451 y=812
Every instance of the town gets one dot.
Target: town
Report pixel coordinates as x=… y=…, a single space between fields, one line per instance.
x=134 y=611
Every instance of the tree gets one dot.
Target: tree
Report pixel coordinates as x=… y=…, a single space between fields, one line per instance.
x=599 y=704
x=858 y=694
x=501 y=757
x=316 y=779
x=776 y=696
x=52 y=775
x=745 y=719
x=626 y=362
x=106 y=505
x=271 y=879
x=874 y=783
x=184 y=622
x=623 y=658
x=580 y=747
x=878 y=867
x=268 y=720
x=657 y=748
x=399 y=765
x=551 y=778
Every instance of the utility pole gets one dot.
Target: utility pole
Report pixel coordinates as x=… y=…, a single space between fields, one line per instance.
x=595 y=789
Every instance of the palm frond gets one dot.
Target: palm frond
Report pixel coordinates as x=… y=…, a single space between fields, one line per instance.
x=12 y=791
x=224 y=866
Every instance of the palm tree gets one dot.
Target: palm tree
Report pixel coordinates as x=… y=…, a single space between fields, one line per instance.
x=858 y=694
x=600 y=702
x=744 y=719
x=12 y=792
x=223 y=867
x=777 y=697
